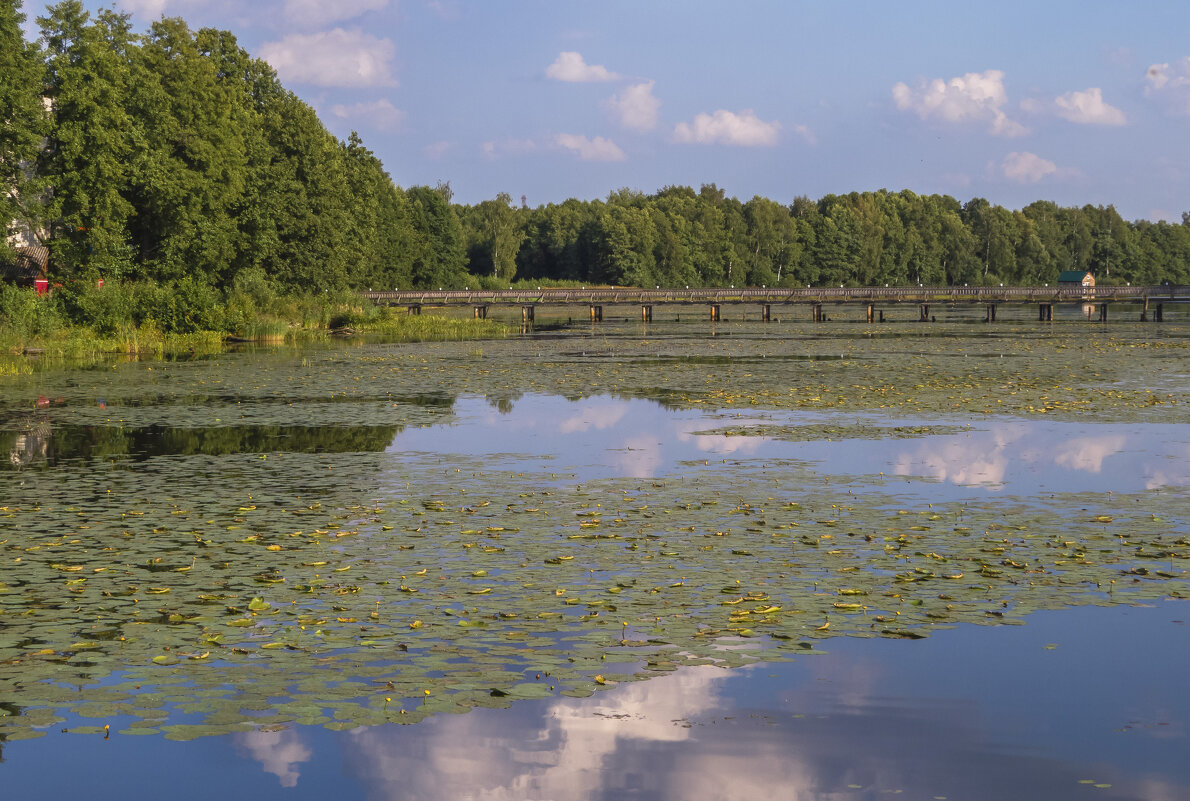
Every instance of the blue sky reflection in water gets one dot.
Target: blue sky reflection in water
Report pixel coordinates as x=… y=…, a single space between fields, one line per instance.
x=949 y=717
x=972 y=713
x=605 y=436
x=1048 y=710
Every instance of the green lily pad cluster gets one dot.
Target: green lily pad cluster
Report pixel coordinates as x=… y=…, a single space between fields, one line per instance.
x=1127 y=372
x=230 y=546
x=827 y=431
x=353 y=589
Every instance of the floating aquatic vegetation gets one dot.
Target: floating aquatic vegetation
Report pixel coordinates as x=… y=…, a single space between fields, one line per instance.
x=1126 y=373
x=261 y=560
x=312 y=587
x=820 y=431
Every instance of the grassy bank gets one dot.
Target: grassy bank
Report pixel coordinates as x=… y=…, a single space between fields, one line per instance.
x=82 y=323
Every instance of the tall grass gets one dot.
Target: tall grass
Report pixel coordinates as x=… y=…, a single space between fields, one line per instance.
x=429 y=328
x=82 y=322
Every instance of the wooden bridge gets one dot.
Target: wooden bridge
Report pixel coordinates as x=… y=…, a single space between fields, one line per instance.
x=1149 y=299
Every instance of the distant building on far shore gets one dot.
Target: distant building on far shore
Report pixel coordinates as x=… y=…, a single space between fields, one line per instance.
x=28 y=269
x=1076 y=278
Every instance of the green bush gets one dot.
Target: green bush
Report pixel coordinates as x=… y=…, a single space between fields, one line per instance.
x=192 y=307
x=18 y=310
x=106 y=310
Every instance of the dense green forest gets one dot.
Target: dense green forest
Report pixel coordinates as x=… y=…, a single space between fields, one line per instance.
x=174 y=157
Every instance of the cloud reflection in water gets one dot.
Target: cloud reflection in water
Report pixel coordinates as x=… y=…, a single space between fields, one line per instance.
x=1052 y=457
x=279 y=753
x=604 y=436
x=823 y=728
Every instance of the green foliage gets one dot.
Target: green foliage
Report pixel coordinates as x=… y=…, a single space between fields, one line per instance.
x=92 y=140
x=438 y=258
x=175 y=156
x=494 y=235
x=677 y=237
x=176 y=166
x=23 y=123
x=26 y=316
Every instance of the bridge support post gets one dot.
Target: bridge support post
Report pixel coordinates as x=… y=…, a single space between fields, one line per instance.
x=990 y=317
x=1103 y=312
x=415 y=308
x=646 y=314
x=714 y=312
x=881 y=315
x=925 y=313
x=1160 y=309
x=818 y=315
x=766 y=313
x=597 y=314
x=871 y=312
x=1045 y=312
x=481 y=312
x=526 y=314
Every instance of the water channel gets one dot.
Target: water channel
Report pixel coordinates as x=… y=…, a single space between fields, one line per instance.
x=606 y=561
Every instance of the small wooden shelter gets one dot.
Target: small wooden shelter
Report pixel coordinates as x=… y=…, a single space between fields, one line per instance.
x=1076 y=278
x=28 y=268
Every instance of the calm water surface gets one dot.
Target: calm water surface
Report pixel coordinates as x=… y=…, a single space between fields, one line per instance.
x=1043 y=711
x=1083 y=703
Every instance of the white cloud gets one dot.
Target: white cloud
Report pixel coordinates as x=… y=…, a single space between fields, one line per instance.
x=1158 y=76
x=967 y=461
x=151 y=9
x=635 y=108
x=570 y=67
x=956 y=179
x=597 y=416
x=1088 y=108
x=1087 y=453
x=436 y=150
x=1170 y=83
x=805 y=133
x=279 y=753
x=316 y=13
x=717 y=443
x=448 y=10
x=332 y=58
x=380 y=115
x=597 y=149
x=974 y=97
x=728 y=128
x=1026 y=168
x=641 y=456
x=563 y=754
x=508 y=147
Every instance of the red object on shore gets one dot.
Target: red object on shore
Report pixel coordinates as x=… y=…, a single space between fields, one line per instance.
x=42 y=285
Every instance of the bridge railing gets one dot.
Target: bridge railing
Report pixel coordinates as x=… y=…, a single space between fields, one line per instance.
x=897 y=294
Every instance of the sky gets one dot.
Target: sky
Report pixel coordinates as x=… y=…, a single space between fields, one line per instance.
x=1080 y=101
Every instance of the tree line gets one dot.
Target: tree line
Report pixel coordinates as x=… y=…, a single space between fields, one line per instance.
x=173 y=156
x=680 y=237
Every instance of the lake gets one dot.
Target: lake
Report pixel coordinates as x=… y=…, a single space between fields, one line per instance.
x=740 y=560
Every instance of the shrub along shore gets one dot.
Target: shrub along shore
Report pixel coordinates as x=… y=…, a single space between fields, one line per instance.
x=78 y=322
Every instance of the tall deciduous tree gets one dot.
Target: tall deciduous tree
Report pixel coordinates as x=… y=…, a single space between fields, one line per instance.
x=439 y=259
x=92 y=141
x=190 y=176
x=499 y=234
x=23 y=124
